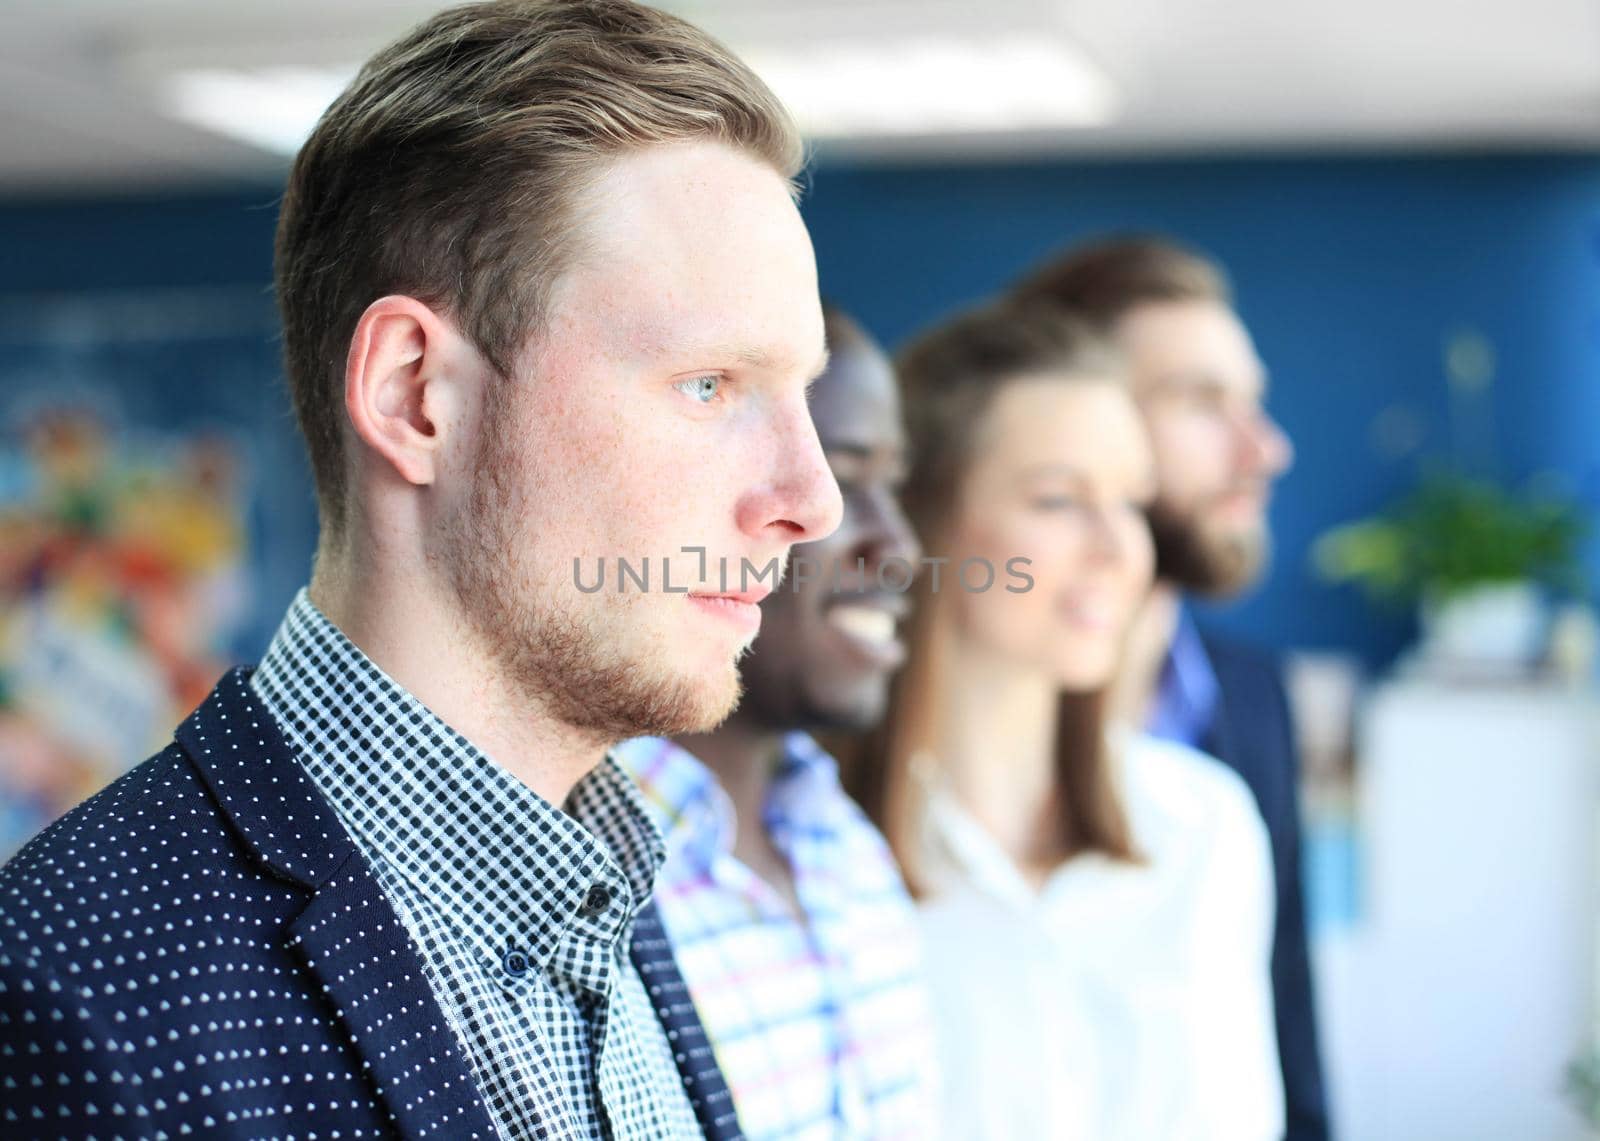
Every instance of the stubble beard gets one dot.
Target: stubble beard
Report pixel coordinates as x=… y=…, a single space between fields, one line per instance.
x=585 y=660
x=1210 y=562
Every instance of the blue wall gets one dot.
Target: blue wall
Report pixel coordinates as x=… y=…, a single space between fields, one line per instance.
x=1350 y=272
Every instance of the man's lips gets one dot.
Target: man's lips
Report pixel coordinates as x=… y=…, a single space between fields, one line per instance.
x=753 y=595
x=741 y=608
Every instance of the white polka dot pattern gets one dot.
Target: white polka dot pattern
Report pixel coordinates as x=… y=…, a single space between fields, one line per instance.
x=521 y=911
x=198 y=950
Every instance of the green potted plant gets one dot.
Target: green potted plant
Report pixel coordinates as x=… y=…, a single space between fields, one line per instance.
x=1583 y=1086
x=1476 y=556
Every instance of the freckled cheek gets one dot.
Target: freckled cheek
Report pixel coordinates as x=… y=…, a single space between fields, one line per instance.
x=646 y=482
x=586 y=464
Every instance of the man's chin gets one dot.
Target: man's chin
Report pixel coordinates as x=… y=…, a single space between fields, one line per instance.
x=719 y=708
x=1210 y=559
x=1238 y=557
x=696 y=705
x=857 y=709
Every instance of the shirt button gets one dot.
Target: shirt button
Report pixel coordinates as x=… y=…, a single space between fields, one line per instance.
x=596 y=902
x=516 y=964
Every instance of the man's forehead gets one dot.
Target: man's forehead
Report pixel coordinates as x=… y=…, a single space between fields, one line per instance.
x=701 y=316
x=1249 y=376
x=859 y=380
x=785 y=346
x=1193 y=350
x=1200 y=375
x=693 y=246
x=855 y=404
x=699 y=216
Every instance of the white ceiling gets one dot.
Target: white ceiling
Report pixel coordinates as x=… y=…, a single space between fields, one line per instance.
x=79 y=105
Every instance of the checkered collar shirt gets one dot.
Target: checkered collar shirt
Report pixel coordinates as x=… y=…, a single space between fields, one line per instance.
x=822 y=1027
x=522 y=912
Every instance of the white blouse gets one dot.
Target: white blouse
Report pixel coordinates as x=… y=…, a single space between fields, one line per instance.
x=1119 y=1002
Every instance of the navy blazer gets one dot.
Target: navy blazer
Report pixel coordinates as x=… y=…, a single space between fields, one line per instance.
x=199 y=949
x=1253 y=733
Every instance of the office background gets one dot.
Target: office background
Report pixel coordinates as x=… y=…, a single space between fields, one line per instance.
x=1387 y=185
x=1352 y=272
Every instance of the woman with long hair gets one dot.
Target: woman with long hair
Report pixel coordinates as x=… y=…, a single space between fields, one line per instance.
x=1097 y=904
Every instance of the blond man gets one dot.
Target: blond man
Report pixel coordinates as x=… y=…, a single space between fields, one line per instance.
x=546 y=300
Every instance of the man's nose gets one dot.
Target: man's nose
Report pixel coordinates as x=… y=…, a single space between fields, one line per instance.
x=801 y=503
x=1264 y=446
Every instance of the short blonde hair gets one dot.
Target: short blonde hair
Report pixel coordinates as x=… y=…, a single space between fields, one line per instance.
x=451 y=168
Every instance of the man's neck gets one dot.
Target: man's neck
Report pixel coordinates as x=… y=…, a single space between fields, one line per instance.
x=1144 y=656
x=744 y=756
x=404 y=625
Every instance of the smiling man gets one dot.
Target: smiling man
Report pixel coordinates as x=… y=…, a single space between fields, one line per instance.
x=1202 y=389
x=782 y=902
x=546 y=296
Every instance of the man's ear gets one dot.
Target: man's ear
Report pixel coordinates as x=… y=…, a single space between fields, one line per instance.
x=400 y=390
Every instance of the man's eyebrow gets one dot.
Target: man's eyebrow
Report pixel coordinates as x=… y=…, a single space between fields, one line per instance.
x=1206 y=382
x=1190 y=380
x=1033 y=471
x=849 y=448
x=744 y=354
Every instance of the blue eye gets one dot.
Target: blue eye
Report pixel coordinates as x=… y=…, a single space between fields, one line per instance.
x=702 y=388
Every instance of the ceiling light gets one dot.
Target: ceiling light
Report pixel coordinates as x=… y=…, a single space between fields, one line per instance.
x=938 y=85
x=930 y=85
x=274 y=108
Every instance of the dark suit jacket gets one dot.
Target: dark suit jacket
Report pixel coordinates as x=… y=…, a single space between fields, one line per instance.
x=1253 y=734
x=200 y=948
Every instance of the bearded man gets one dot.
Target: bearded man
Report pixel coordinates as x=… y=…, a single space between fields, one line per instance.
x=547 y=300
x=1201 y=388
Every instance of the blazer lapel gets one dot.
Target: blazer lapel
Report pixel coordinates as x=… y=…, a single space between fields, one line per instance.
x=702 y=1080
x=348 y=933
x=354 y=943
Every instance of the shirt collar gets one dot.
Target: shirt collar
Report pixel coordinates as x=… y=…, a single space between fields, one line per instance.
x=1185 y=702
x=512 y=871
x=958 y=851
x=684 y=797
x=696 y=815
x=805 y=795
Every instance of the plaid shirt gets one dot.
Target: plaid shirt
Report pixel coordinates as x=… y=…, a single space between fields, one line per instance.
x=822 y=1028
x=522 y=913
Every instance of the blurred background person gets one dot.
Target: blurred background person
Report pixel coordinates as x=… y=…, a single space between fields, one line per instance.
x=1097 y=905
x=785 y=908
x=1198 y=381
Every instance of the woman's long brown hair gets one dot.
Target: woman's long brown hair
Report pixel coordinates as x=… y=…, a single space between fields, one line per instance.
x=949 y=378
